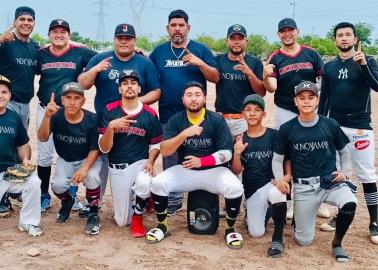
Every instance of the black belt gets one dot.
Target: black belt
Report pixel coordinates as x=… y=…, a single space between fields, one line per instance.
x=307 y=181
x=119 y=166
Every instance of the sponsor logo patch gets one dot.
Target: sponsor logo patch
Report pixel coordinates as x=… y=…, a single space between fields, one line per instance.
x=361 y=145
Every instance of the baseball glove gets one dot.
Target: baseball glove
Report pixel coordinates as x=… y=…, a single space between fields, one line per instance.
x=18 y=173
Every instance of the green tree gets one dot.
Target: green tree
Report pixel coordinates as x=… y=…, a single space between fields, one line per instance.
x=259 y=45
x=39 y=39
x=144 y=43
x=325 y=46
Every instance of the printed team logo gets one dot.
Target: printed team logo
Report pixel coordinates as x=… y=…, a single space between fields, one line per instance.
x=113 y=74
x=127 y=71
x=124 y=29
x=236 y=27
x=343 y=73
x=306 y=85
x=175 y=63
x=361 y=145
x=60 y=22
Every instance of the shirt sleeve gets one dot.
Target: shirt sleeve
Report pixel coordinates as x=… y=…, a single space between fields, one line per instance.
x=258 y=69
x=93 y=135
x=280 y=142
x=22 y=136
x=318 y=64
x=208 y=57
x=156 y=133
x=324 y=97
x=171 y=129
x=152 y=77
x=370 y=73
x=103 y=122
x=223 y=135
x=92 y=62
x=340 y=138
x=88 y=55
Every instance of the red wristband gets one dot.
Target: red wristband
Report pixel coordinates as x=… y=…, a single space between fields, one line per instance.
x=208 y=161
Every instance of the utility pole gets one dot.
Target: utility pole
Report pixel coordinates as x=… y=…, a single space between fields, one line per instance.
x=292 y=3
x=137 y=7
x=100 y=35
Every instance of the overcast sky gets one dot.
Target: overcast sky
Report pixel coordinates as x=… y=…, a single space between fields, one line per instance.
x=209 y=17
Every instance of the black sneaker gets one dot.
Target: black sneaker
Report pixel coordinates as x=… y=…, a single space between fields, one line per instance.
x=173 y=209
x=65 y=210
x=5 y=206
x=373 y=228
x=84 y=212
x=93 y=224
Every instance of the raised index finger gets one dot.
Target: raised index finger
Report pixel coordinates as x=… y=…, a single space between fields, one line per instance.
x=359 y=46
x=187 y=50
x=52 y=98
x=108 y=59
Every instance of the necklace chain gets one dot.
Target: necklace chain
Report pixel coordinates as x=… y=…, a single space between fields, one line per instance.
x=178 y=56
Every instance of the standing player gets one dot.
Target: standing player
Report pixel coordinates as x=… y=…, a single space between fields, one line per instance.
x=179 y=61
x=311 y=142
x=58 y=64
x=130 y=135
x=203 y=142
x=345 y=97
x=253 y=152
x=18 y=54
x=241 y=75
x=285 y=69
x=14 y=149
x=74 y=131
x=103 y=72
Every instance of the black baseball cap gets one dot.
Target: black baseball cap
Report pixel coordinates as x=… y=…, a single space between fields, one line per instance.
x=125 y=29
x=287 y=22
x=306 y=86
x=6 y=81
x=60 y=23
x=254 y=99
x=24 y=11
x=128 y=74
x=72 y=87
x=236 y=29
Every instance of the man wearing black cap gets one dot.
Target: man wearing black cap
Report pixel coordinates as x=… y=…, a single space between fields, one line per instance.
x=311 y=142
x=285 y=68
x=241 y=75
x=130 y=133
x=253 y=153
x=18 y=54
x=15 y=149
x=58 y=64
x=179 y=61
x=74 y=132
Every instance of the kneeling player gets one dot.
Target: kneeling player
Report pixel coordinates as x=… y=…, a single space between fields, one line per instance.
x=203 y=142
x=311 y=142
x=14 y=148
x=75 y=139
x=131 y=135
x=253 y=152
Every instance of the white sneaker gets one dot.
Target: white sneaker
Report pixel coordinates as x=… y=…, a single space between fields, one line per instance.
x=78 y=205
x=323 y=211
x=290 y=209
x=30 y=229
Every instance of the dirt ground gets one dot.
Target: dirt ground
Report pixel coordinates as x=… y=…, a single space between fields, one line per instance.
x=65 y=246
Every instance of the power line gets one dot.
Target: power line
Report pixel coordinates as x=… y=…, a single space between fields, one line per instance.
x=100 y=34
x=292 y=3
x=137 y=7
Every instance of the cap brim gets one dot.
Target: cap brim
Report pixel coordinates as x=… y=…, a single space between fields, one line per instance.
x=286 y=26
x=126 y=77
x=127 y=35
x=310 y=90
x=233 y=33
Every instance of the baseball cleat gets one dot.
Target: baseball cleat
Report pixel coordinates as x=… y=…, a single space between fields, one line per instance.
x=77 y=205
x=339 y=254
x=45 y=202
x=276 y=250
x=323 y=211
x=329 y=226
x=65 y=210
x=173 y=209
x=30 y=229
x=93 y=224
x=373 y=228
x=84 y=212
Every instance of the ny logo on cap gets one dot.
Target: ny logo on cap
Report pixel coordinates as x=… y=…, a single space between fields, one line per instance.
x=60 y=22
x=124 y=28
x=127 y=72
x=237 y=27
x=306 y=85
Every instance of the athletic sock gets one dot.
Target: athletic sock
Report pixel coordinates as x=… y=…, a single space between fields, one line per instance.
x=232 y=210
x=63 y=196
x=161 y=204
x=371 y=198
x=343 y=221
x=93 y=198
x=44 y=174
x=279 y=218
x=140 y=205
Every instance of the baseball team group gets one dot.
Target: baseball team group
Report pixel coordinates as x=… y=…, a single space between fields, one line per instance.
x=322 y=130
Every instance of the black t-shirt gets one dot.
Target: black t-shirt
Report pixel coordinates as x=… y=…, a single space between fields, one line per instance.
x=18 y=61
x=290 y=70
x=57 y=70
x=234 y=86
x=12 y=135
x=345 y=94
x=257 y=161
x=311 y=150
x=132 y=143
x=73 y=142
x=215 y=135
